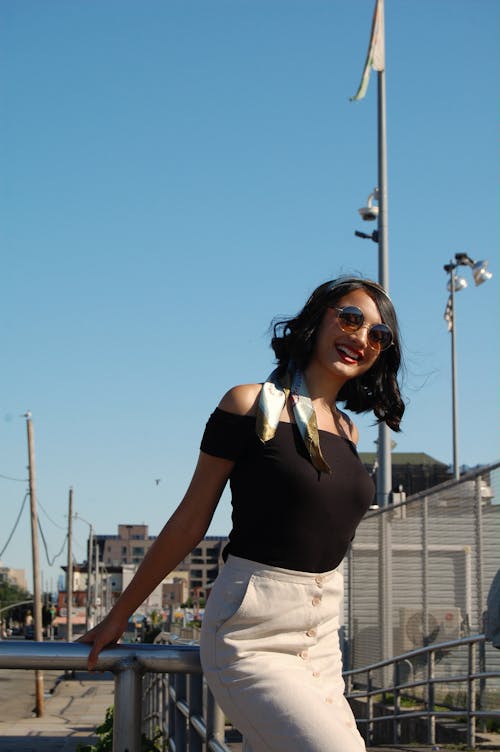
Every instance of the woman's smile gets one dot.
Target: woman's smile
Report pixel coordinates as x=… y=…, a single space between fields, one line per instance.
x=348 y=354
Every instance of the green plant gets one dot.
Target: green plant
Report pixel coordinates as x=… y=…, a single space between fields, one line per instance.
x=404 y=701
x=492 y=725
x=105 y=734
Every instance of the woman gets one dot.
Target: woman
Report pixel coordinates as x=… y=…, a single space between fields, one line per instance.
x=269 y=644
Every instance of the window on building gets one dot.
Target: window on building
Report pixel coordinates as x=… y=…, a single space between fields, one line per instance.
x=138 y=551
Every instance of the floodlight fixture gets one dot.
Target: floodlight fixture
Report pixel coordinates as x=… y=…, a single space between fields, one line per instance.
x=455 y=283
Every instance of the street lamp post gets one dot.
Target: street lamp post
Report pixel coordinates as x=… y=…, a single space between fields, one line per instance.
x=455 y=284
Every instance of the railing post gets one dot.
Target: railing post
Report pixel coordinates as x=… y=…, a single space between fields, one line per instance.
x=146 y=701
x=164 y=716
x=369 y=707
x=195 y=709
x=482 y=680
x=180 y=719
x=396 y=723
x=215 y=720
x=153 y=705
x=431 y=725
x=127 y=714
x=471 y=699
x=171 y=705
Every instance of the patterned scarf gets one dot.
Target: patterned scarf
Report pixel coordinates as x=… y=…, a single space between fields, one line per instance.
x=275 y=392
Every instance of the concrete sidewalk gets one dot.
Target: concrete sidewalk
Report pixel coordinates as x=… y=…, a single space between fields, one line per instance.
x=72 y=712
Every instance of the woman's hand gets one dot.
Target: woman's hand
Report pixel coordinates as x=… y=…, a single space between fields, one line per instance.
x=107 y=632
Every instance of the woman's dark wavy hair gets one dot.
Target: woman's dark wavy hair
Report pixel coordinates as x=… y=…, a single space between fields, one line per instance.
x=294 y=340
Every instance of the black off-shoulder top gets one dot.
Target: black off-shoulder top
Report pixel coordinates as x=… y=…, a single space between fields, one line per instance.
x=284 y=512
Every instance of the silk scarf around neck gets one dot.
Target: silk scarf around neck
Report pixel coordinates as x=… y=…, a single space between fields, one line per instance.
x=275 y=392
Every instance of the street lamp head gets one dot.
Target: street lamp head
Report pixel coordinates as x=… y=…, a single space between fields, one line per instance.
x=463 y=259
x=480 y=272
x=459 y=283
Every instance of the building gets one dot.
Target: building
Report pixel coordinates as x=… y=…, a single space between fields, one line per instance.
x=175 y=589
x=204 y=563
x=15 y=577
x=114 y=561
x=412 y=472
x=129 y=546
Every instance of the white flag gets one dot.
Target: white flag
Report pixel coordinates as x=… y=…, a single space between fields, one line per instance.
x=376 y=51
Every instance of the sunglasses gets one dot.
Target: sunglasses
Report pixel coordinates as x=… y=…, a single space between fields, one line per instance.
x=351 y=319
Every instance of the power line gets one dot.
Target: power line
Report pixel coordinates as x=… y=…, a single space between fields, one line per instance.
x=8 y=477
x=50 y=563
x=15 y=524
x=49 y=517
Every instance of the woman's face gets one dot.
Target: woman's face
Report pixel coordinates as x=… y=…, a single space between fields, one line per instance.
x=347 y=354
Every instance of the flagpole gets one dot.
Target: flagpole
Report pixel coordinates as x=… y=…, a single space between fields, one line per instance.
x=375 y=59
x=384 y=472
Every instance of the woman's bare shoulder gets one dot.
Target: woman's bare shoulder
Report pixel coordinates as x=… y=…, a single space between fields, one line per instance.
x=241 y=399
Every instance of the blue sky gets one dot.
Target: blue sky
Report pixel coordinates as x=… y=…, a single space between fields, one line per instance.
x=177 y=173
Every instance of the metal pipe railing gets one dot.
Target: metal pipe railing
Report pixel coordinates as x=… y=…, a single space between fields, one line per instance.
x=178 y=704
x=129 y=663
x=470 y=711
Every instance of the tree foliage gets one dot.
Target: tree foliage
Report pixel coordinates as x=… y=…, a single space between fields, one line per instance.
x=11 y=593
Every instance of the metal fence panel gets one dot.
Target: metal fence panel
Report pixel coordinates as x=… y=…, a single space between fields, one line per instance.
x=418 y=573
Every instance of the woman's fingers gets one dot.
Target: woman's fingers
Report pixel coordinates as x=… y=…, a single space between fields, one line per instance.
x=100 y=637
x=94 y=655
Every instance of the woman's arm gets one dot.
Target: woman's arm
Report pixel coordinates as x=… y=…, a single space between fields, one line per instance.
x=181 y=534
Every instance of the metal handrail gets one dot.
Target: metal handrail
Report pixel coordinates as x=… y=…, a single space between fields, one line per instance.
x=128 y=663
x=471 y=713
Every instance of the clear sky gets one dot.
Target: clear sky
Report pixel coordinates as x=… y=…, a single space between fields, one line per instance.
x=174 y=174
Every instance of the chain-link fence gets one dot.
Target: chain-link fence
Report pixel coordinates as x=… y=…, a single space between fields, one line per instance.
x=419 y=572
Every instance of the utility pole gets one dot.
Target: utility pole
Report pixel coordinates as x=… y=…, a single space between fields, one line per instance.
x=37 y=594
x=98 y=584
x=90 y=548
x=69 y=572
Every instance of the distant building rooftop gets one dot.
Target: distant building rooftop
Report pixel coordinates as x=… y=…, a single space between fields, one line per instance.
x=404 y=458
x=412 y=472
